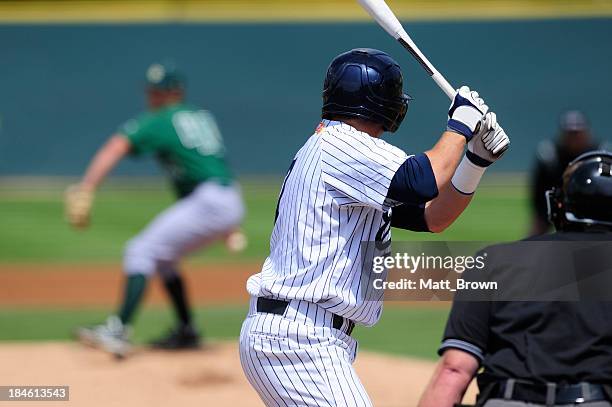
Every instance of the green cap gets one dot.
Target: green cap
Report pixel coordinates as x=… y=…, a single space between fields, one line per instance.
x=164 y=76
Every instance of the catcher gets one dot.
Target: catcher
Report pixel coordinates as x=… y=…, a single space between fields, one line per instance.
x=546 y=339
x=187 y=143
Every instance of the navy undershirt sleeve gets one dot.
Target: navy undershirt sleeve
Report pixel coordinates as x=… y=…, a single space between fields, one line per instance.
x=414 y=182
x=409 y=217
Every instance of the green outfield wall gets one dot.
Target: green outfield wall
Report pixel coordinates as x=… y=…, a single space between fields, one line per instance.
x=65 y=87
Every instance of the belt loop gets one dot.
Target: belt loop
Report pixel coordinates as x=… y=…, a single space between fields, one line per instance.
x=551 y=389
x=586 y=391
x=509 y=389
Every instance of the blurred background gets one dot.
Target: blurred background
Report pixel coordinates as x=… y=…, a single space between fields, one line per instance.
x=72 y=71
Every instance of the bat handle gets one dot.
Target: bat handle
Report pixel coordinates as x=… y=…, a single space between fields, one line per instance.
x=404 y=39
x=444 y=85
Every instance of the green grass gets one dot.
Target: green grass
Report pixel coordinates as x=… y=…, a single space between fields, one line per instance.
x=223 y=322
x=405 y=331
x=33 y=229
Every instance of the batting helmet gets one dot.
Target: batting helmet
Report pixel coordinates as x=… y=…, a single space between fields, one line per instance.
x=365 y=83
x=164 y=77
x=585 y=197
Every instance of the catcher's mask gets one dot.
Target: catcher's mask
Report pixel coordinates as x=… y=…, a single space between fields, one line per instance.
x=585 y=197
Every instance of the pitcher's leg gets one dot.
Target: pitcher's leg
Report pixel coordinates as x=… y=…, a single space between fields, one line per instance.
x=174 y=284
x=183 y=227
x=217 y=211
x=158 y=248
x=113 y=335
x=184 y=335
x=134 y=289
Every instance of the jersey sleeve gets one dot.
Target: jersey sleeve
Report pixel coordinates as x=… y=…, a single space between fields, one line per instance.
x=139 y=133
x=467 y=328
x=359 y=167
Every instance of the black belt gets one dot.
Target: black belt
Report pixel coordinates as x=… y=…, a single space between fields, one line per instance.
x=278 y=307
x=555 y=394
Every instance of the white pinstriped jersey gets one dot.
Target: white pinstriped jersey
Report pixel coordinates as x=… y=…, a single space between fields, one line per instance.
x=333 y=199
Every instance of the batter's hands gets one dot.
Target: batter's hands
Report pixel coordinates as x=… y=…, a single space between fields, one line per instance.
x=77 y=206
x=466 y=113
x=489 y=143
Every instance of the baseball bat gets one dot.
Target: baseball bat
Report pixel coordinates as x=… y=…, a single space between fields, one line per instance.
x=387 y=20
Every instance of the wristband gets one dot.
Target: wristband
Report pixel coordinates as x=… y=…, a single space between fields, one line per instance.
x=456 y=126
x=467 y=176
x=476 y=159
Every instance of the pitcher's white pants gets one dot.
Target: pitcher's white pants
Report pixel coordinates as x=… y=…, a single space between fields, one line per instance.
x=205 y=215
x=299 y=359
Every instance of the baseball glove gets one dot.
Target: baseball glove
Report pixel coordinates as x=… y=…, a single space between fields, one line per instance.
x=77 y=206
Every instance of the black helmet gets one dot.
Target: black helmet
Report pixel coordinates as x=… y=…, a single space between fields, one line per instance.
x=585 y=197
x=365 y=83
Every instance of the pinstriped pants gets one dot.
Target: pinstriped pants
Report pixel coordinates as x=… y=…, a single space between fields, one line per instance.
x=299 y=359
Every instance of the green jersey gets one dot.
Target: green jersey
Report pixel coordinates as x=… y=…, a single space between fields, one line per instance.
x=185 y=141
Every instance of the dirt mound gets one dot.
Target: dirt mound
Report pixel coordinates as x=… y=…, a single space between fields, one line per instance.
x=211 y=377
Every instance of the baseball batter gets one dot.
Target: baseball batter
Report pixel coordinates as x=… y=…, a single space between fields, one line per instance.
x=188 y=144
x=346 y=186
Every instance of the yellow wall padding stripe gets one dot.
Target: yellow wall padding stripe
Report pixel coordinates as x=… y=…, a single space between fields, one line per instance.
x=161 y=11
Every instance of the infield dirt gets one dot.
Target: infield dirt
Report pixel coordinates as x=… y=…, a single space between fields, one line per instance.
x=94 y=285
x=210 y=377
x=101 y=284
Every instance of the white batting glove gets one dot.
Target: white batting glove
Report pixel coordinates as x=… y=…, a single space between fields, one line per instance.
x=489 y=143
x=466 y=113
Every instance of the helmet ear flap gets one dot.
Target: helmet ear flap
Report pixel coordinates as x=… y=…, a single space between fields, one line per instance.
x=555 y=207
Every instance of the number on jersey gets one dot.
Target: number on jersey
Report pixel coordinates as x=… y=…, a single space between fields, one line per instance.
x=198 y=130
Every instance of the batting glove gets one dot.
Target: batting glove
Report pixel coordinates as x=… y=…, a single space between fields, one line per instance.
x=489 y=143
x=466 y=113
x=77 y=206
x=486 y=146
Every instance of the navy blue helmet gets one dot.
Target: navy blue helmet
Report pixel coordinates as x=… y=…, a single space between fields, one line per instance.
x=585 y=198
x=365 y=83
